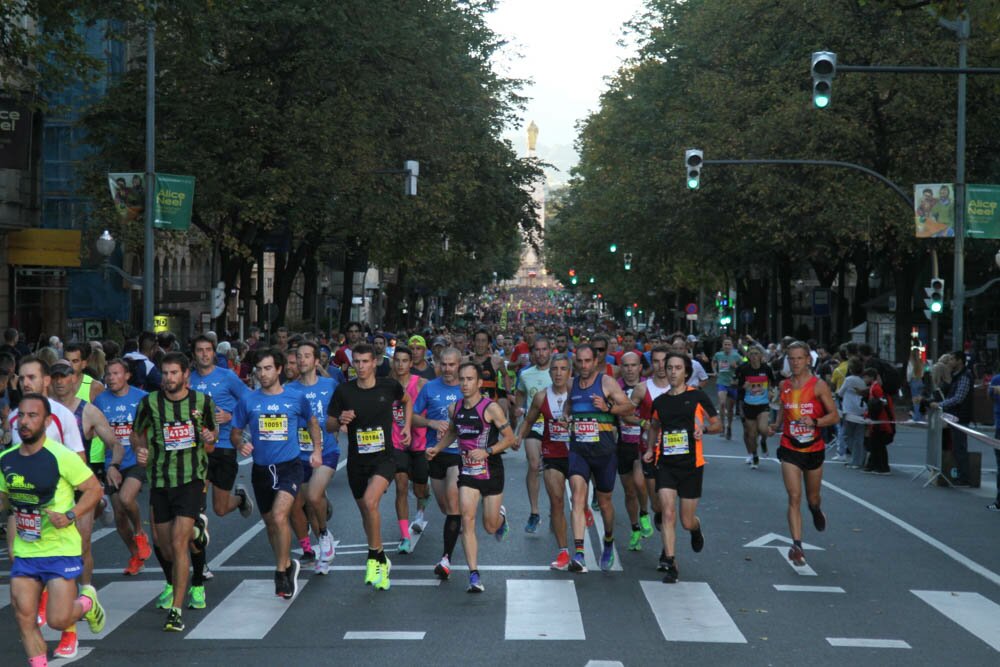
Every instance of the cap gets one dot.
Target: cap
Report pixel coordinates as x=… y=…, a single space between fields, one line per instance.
x=417 y=340
x=61 y=367
x=440 y=340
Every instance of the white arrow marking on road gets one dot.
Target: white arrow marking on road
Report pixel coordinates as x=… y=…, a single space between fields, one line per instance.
x=765 y=541
x=971 y=611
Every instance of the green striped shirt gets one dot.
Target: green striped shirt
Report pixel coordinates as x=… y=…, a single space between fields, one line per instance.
x=173 y=432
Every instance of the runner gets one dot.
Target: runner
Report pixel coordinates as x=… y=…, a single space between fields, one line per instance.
x=272 y=417
x=675 y=446
x=410 y=460
x=87 y=389
x=431 y=412
x=492 y=368
x=699 y=378
x=483 y=432
x=756 y=383
x=421 y=366
x=365 y=406
x=595 y=401
x=226 y=389
x=37 y=482
x=530 y=381
x=173 y=433
x=724 y=363
x=555 y=448
x=629 y=457
x=125 y=477
x=312 y=496
x=806 y=407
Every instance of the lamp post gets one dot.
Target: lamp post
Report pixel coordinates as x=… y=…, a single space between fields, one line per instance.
x=148 y=253
x=106 y=246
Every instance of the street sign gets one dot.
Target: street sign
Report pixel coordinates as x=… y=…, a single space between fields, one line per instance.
x=692 y=316
x=691 y=309
x=821 y=302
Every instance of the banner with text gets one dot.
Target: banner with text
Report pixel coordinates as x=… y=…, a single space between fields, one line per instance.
x=173 y=199
x=982 y=211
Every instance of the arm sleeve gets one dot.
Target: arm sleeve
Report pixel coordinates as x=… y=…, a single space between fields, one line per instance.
x=962 y=386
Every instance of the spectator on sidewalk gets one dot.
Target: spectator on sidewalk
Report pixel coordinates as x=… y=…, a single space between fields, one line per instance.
x=958 y=403
x=852 y=406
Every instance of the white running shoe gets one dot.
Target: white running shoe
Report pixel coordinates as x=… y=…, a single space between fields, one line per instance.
x=419 y=522
x=327 y=549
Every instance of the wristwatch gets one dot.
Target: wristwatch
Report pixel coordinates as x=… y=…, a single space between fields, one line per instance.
x=71 y=515
x=489 y=451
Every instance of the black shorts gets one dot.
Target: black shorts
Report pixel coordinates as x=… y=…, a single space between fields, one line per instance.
x=649 y=470
x=487 y=487
x=223 y=468
x=627 y=455
x=751 y=412
x=268 y=480
x=413 y=463
x=686 y=481
x=133 y=472
x=359 y=473
x=168 y=503
x=438 y=467
x=556 y=463
x=803 y=460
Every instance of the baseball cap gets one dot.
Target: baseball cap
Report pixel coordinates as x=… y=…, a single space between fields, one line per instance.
x=440 y=340
x=417 y=340
x=61 y=367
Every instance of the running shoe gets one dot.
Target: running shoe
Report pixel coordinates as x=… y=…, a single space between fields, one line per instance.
x=291 y=580
x=134 y=567
x=279 y=583
x=578 y=563
x=532 y=525
x=589 y=516
x=107 y=517
x=475 y=585
x=594 y=505
x=142 y=546
x=322 y=567
x=246 y=504
x=749 y=459
x=200 y=535
x=383 y=583
x=68 y=645
x=608 y=556
x=561 y=562
x=645 y=526
x=994 y=507
x=405 y=546
x=196 y=597
x=697 y=539
x=635 y=542
x=207 y=573
x=308 y=557
x=838 y=458
x=419 y=522
x=166 y=598
x=504 y=530
x=819 y=519
x=672 y=573
x=174 y=621
x=327 y=548
x=797 y=556
x=443 y=568
x=42 y=604
x=887 y=471
x=664 y=562
x=729 y=432
x=371 y=571
x=94 y=617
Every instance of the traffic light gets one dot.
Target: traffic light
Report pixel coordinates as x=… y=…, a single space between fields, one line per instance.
x=628 y=261
x=592 y=280
x=572 y=273
x=725 y=320
x=572 y=280
x=628 y=312
x=693 y=159
x=935 y=297
x=613 y=247
x=824 y=67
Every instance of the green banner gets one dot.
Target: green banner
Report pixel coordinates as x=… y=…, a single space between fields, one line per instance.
x=172 y=204
x=982 y=218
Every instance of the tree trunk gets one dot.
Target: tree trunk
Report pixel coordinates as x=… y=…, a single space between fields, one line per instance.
x=861 y=291
x=906 y=277
x=785 y=285
x=286 y=269
x=347 y=294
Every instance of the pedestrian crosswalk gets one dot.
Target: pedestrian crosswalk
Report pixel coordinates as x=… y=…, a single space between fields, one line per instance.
x=539 y=609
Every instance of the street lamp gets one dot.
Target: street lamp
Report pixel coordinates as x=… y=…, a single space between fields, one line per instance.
x=874 y=279
x=105 y=246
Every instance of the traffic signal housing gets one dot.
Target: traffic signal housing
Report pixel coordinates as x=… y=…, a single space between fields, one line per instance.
x=628 y=261
x=613 y=247
x=693 y=159
x=935 y=297
x=824 y=67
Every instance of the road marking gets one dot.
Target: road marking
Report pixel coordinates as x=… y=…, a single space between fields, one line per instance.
x=689 y=611
x=858 y=642
x=971 y=611
x=395 y=567
x=599 y=526
x=248 y=612
x=103 y=532
x=766 y=541
x=81 y=653
x=234 y=546
x=384 y=635
x=416 y=582
x=801 y=570
x=4 y=595
x=921 y=535
x=120 y=599
x=808 y=589
x=543 y=609
x=604 y=663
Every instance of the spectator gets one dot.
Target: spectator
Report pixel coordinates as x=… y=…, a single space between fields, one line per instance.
x=850 y=396
x=10 y=343
x=880 y=435
x=958 y=403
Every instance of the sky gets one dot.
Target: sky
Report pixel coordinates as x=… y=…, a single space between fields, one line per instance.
x=567 y=47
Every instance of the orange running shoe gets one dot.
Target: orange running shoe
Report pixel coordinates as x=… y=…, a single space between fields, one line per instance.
x=142 y=544
x=68 y=645
x=134 y=567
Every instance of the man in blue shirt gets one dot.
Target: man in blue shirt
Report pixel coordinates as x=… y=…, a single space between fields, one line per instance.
x=272 y=417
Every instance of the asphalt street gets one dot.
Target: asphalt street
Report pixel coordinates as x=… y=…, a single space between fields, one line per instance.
x=904 y=574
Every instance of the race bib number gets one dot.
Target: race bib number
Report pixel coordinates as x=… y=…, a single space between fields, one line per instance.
x=305 y=440
x=178 y=436
x=631 y=430
x=123 y=431
x=371 y=440
x=29 y=524
x=477 y=469
x=586 y=431
x=801 y=433
x=675 y=443
x=272 y=428
x=398 y=414
x=558 y=431
x=539 y=426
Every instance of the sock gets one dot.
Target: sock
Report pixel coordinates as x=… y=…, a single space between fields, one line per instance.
x=797 y=543
x=669 y=560
x=166 y=565
x=39 y=661
x=563 y=550
x=609 y=537
x=534 y=514
x=372 y=553
x=404 y=528
x=578 y=545
x=86 y=603
x=636 y=528
x=198 y=568
x=643 y=513
x=472 y=572
x=814 y=509
x=452 y=526
x=380 y=556
x=305 y=544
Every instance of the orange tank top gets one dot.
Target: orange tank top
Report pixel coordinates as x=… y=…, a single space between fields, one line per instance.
x=796 y=404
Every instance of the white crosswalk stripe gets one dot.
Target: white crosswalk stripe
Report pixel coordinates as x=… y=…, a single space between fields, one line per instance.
x=248 y=612
x=689 y=611
x=120 y=600
x=543 y=609
x=971 y=611
x=4 y=595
